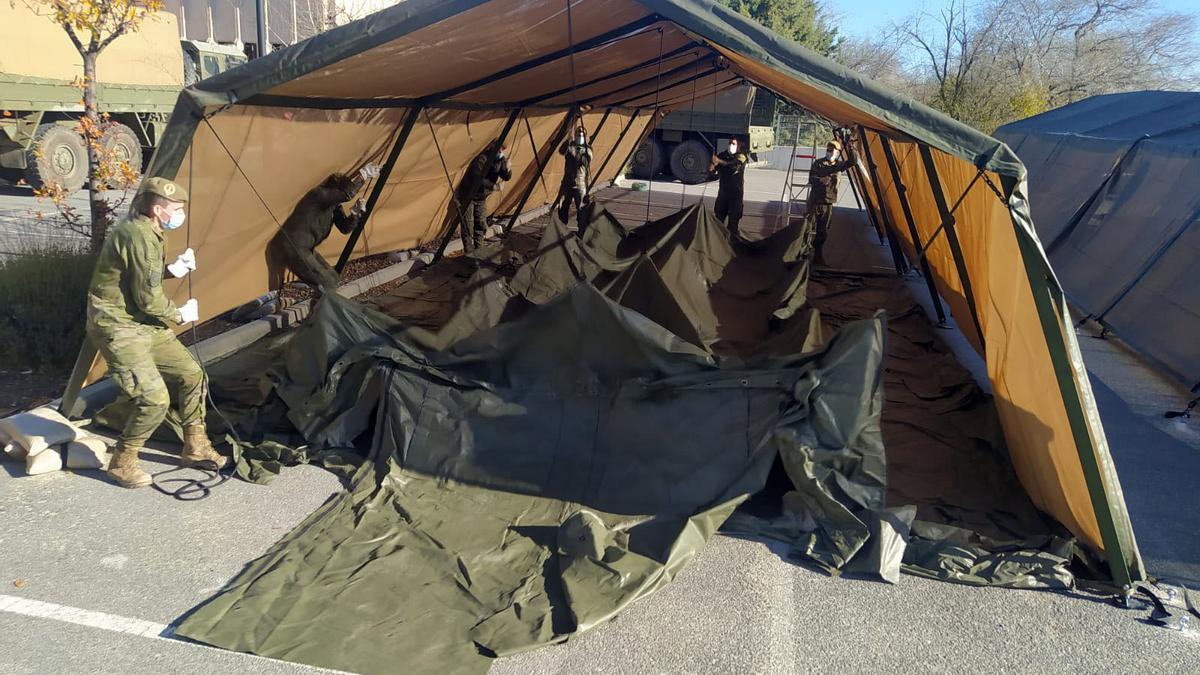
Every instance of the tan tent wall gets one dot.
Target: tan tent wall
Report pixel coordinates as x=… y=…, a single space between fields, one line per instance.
x=514 y=31
x=240 y=206
x=1030 y=406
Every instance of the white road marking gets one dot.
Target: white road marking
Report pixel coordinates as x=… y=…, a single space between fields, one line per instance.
x=82 y=617
x=39 y=609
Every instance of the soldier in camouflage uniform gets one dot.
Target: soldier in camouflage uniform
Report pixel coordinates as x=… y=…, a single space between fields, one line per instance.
x=130 y=321
x=576 y=175
x=294 y=246
x=822 y=195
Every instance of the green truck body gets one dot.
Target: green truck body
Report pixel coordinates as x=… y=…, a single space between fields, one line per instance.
x=139 y=79
x=684 y=141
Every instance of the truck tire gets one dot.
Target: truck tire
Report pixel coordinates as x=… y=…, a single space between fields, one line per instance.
x=125 y=143
x=57 y=156
x=689 y=161
x=648 y=160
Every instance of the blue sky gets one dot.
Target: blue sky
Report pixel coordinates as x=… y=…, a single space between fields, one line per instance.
x=861 y=18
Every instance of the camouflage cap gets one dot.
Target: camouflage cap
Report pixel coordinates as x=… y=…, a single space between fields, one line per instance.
x=167 y=189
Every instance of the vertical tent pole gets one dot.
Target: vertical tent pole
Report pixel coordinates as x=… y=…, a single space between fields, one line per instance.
x=83 y=365
x=642 y=139
x=377 y=189
x=901 y=192
x=558 y=136
x=857 y=183
x=603 y=119
x=616 y=145
x=939 y=196
x=888 y=226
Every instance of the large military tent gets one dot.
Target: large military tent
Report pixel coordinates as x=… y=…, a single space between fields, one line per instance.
x=422 y=87
x=1116 y=198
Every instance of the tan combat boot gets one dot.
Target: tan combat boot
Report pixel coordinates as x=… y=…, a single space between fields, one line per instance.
x=198 y=451
x=123 y=467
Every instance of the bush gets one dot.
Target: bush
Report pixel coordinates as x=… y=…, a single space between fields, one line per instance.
x=43 y=296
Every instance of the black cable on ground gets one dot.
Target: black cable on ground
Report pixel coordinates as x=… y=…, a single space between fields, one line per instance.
x=195 y=489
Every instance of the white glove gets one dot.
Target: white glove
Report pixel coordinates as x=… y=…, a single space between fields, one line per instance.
x=186 y=262
x=370 y=171
x=190 y=311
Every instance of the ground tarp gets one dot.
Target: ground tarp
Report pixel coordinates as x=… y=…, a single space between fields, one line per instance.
x=492 y=438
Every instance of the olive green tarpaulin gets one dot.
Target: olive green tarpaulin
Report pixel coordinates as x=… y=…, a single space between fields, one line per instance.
x=447 y=543
x=541 y=398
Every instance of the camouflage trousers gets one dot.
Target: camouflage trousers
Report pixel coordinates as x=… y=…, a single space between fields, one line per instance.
x=306 y=264
x=151 y=366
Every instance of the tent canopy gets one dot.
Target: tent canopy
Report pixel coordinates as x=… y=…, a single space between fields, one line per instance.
x=424 y=86
x=1123 y=227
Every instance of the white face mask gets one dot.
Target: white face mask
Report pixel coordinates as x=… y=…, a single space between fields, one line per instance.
x=176 y=220
x=832 y=155
x=733 y=148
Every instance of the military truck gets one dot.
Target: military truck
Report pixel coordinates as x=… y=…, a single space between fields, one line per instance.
x=684 y=142
x=140 y=76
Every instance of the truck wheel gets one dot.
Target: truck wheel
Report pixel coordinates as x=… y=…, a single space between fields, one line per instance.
x=57 y=156
x=124 y=144
x=648 y=160
x=689 y=162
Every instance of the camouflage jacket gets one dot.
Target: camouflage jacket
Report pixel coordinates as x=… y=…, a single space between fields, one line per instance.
x=126 y=286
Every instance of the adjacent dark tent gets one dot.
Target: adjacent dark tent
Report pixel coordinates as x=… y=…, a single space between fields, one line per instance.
x=1115 y=193
x=422 y=88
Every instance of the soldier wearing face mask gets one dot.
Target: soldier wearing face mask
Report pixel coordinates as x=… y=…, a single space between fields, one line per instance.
x=730 y=165
x=130 y=321
x=576 y=176
x=822 y=195
x=485 y=175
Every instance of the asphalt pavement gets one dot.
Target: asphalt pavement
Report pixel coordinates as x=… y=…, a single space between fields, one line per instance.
x=92 y=576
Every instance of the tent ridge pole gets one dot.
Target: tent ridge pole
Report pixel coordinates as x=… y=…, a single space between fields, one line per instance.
x=558 y=136
x=625 y=71
x=620 y=137
x=687 y=67
x=384 y=172
x=603 y=38
x=902 y=194
x=695 y=76
x=960 y=263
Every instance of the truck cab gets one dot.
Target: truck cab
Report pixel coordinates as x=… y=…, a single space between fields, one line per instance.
x=202 y=60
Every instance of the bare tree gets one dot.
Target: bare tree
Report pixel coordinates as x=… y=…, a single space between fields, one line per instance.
x=990 y=63
x=93 y=25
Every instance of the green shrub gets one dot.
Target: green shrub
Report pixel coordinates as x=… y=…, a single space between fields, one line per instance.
x=42 y=306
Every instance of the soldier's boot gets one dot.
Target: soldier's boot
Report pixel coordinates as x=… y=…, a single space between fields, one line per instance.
x=124 y=468
x=198 y=451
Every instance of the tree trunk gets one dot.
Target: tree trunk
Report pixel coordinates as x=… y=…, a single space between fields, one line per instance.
x=100 y=211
